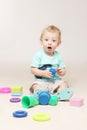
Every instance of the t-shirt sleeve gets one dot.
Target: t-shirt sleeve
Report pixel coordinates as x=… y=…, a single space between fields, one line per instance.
x=61 y=62
x=36 y=61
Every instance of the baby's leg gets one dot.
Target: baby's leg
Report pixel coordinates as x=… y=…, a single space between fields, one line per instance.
x=62 y=86
x=36 y=89
x=35 y=86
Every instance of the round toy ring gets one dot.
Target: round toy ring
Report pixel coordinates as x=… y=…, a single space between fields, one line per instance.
x=15 y=100
x=41 y=117
x=20 y=114
x=5 y=90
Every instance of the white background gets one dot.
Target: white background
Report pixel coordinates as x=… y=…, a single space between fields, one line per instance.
x=21 y=23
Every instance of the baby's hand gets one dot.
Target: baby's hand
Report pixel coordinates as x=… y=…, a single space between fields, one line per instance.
x=61 y=71
x=47 y=74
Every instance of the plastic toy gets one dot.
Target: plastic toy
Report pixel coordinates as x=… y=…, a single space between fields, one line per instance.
x=16 y=90
x=29 y=101
x=53 y=100
x=76 y=102
x=41 y=117
x=16 y=94
x=36 y=93
x=14 y=100
x=5 y=90
x=64 y=94
x=44 y=98
x=20 y=114
x=44 y=67
x=53 y=71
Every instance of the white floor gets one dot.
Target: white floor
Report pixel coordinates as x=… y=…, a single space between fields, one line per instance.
x=63 y=116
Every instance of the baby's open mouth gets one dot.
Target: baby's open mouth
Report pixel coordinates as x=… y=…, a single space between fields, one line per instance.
x=49 y=47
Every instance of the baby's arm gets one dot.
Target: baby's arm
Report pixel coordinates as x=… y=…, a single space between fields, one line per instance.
x=41 y=73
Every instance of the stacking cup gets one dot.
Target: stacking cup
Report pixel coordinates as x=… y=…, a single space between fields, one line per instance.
x=29 y=101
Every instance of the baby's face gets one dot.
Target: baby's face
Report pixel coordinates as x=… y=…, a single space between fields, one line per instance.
x=50 y=41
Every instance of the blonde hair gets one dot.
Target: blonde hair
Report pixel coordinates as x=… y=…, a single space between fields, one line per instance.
x=53 y=29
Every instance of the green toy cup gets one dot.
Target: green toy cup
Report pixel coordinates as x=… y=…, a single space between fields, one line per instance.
x=53 y=100
x=29 y=101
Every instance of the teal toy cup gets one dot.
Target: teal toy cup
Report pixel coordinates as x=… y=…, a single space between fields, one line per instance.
x=29 y=101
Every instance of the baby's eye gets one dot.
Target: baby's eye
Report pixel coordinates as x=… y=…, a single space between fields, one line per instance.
x=54 y=40
x=46 y=39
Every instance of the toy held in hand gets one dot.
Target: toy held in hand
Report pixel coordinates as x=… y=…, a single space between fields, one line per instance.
x=53 y=71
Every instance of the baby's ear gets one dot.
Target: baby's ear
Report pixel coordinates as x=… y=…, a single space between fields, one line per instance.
x=40 y=41
x=59 y=43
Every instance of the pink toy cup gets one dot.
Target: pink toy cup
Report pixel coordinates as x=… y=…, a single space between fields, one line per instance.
x=76 y=102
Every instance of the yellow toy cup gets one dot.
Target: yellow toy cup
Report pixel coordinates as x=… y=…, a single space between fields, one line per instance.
x=29 y=101
x=16 y=89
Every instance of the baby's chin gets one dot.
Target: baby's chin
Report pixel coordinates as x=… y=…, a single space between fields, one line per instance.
x=49 y=52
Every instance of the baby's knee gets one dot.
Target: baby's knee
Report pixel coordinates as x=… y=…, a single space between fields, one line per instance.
x=34 y=86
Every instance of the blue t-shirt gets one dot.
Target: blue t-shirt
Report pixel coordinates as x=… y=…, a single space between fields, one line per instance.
x=43 y=61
